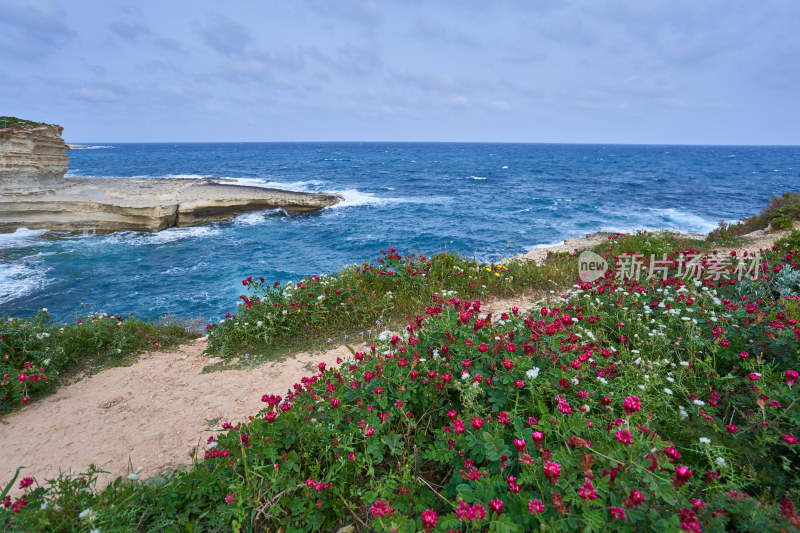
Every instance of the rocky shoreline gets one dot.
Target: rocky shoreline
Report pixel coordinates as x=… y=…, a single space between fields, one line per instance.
x=35 y=194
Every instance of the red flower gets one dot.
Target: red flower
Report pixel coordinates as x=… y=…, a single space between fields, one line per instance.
x=536 y=506
x=624 y=436
x=790 y=439
x=634 y=500
x=587 y=491
x=429 y=519
x=552 y=471
x=631 y=405
x=496 y=506
x=477 y=422
x=791 y=377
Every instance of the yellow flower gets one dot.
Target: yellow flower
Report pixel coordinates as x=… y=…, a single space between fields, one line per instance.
x=497 y=274
x=488 y=269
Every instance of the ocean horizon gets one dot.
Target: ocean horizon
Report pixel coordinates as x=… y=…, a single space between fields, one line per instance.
x=486 y=200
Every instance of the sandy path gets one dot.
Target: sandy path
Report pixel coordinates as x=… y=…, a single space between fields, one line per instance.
x=152 y=413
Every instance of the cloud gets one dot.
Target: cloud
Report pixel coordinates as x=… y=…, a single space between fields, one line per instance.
x=129 y=31
x=32 y=29
x=428 y=81
x=362 y=12
x=431 y=31
x=225 y=35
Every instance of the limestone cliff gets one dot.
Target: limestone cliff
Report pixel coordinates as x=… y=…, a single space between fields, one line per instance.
x=35 y=194
x=32 y=157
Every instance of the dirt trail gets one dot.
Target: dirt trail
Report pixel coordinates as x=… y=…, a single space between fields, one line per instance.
x=156 y=411
x=152 y=413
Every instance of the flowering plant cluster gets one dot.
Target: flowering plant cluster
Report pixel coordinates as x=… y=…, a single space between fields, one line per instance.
x=348 y=303
x=616 y=406
x=35 y=352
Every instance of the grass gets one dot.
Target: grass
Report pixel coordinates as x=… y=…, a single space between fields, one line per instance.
x=14 y=122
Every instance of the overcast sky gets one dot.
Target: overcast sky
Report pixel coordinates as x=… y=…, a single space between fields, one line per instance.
x=602 y=71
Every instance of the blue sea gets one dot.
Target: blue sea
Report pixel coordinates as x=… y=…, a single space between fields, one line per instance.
x=482 y=200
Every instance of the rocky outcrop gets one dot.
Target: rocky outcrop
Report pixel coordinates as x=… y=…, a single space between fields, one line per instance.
x=35 y=194
x=32 y=158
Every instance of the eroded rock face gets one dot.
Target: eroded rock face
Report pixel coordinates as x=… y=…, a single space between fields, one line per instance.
x=32 y=159
x=35 y=194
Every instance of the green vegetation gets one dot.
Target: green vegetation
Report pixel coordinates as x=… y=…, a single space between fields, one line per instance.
x=346 y=307
x=780 y=212
x=663 y=404
x=36 y=353
x=14 y=122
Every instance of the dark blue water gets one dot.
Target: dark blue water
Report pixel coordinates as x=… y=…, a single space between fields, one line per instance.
x=486 y=200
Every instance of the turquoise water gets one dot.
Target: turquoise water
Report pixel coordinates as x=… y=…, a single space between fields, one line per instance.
x=486 y=200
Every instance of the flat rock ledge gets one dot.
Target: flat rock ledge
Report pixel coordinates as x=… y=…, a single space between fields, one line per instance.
x=106 y=205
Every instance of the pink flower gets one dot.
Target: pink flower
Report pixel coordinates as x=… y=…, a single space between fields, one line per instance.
x=496 y=506
x=25 y=482
x=552 y=471
x=536 y=506
x=335 y=403
x=631 y=405
x=791 y=377
x=754 y=376
x=380 y=509
x=587 y=491
x=634 y=500
x=731 y=429
x=519 y=444
x=429 y=519
x=230 y=498
x=682 y=475
x=565 y=407
x=477 y=422
x=618 y=513
x=270 y=417
x=624 y=436
x=790 y=439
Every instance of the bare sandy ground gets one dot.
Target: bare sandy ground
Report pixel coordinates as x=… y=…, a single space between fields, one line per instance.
x=153 y=414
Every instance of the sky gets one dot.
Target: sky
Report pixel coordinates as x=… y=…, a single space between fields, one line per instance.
x=544 y=71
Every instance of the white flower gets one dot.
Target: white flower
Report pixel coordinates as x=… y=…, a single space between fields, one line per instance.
x=575 y=381
x=684 y=363
x=259 y=323
x=88 y=515
x=320 y=297
x=641 y=387
x=46 y=361
x=95 y=530
x=699 y=403
x=602 y=380
x=133 y=477
x=44 y=309
x=285 y=312
x=668 y=391
x=532 y=373
x=683 y=413
x=705 y=440
x=44 y=506
x=212 y=445
x=384 y=335
x=720 y=461
x=464 y=375
x=671 y=380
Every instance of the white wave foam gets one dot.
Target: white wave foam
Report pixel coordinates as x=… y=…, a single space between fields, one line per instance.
x=19 y=279
x=505 y=167
x=20 y=238
x=299 y=186
x=88 y=147
x=356 y=198
x=478 y=177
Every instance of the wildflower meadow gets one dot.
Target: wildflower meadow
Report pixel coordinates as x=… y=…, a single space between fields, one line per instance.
x=663 y=403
